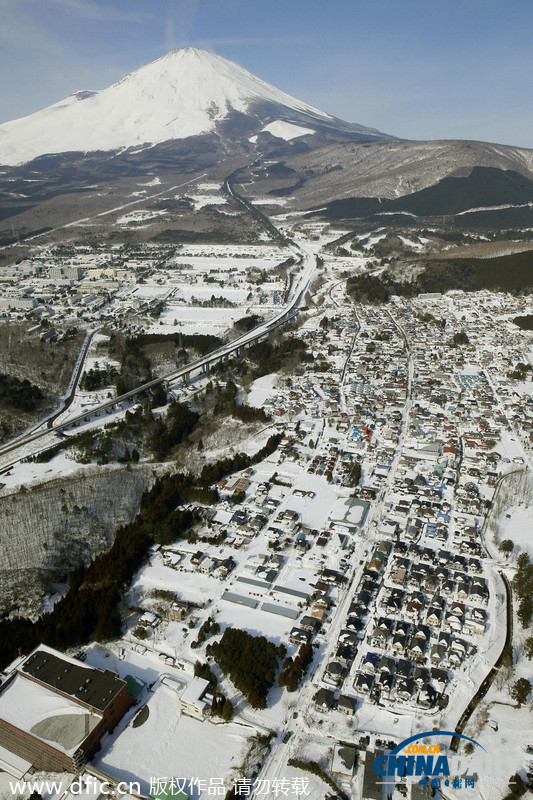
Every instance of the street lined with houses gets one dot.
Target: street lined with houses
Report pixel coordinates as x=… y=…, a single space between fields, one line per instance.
x=363 y=543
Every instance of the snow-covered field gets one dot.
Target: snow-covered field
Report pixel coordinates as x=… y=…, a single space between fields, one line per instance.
x=518 y=526
x=509 y=447
x=187 y=291
x=195 y=319
x=269 y=201
x=201 y=200
x=286 y=130
x=261 y=390
x=150 y=291
x=315 y=510
x=139 y=216
x=172 y=745
x=26 y=474
x=225 y=262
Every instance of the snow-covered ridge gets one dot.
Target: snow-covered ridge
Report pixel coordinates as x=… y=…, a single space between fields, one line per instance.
x=182 y=94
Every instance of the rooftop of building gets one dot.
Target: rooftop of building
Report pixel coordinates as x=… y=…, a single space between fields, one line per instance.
x=83 y=683
x=45 y=714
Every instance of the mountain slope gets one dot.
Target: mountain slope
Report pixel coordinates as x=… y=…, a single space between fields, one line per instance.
x=387 y=169
x=194 y=113
x=485 y=187
x=186 y=93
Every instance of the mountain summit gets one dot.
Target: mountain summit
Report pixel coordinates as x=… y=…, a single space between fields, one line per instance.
x=187 y=92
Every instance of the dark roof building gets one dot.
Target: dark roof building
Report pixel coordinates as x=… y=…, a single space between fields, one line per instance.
x=54 y=710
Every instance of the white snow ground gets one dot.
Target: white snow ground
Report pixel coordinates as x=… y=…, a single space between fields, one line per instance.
x=172 y=745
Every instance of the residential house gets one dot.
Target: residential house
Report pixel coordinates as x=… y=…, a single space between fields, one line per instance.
x=346 y=705
x=323 y=699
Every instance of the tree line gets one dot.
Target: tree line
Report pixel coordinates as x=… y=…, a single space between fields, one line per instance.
x=295 y=668
x=90 y=607
x=97 y=378
x=171 y=431
x=270 y=357
x=523 y=586
x=525 y=323
x=226 y=404
x=212 y=473
x=19 y=394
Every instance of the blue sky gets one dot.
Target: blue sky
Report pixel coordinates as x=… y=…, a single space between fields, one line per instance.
x=420 y=70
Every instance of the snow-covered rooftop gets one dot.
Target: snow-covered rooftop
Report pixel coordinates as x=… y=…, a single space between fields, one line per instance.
x=46 y=714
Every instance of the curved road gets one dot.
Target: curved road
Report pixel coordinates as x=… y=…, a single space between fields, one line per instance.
x=488 y=680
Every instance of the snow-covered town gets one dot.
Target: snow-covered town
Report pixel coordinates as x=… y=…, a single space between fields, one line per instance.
x=375 y=545
x=266 y=400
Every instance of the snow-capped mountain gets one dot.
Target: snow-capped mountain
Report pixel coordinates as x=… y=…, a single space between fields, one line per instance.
x=186 y=93
x=193 y=112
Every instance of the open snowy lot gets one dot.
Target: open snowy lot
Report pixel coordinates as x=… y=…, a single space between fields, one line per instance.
x=195 y=319
x=170 y=744
x=517 y=524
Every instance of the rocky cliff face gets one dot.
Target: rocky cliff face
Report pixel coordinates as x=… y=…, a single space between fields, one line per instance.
x=47 y=530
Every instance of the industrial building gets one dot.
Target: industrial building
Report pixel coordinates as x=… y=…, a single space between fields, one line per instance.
x=54 y=711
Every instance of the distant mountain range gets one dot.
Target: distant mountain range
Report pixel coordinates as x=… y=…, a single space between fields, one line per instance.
x=193 y=111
